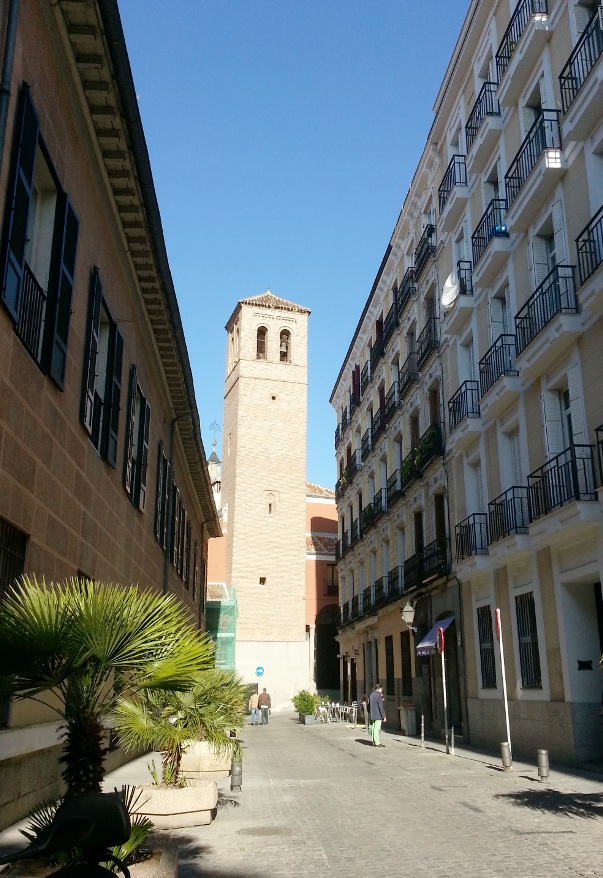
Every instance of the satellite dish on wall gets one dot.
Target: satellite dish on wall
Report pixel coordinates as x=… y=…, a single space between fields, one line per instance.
x=450 y=291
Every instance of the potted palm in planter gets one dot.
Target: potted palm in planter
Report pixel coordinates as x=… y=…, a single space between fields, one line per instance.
x=305 y=704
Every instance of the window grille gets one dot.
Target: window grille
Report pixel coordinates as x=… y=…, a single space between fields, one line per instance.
x=486 y=647
x=529 y=656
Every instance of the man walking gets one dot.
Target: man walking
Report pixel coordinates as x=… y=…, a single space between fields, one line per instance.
x=264 y=703
x=253 y=707
x=377 y=714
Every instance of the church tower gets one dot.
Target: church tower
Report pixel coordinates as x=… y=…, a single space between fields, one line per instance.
x=264 y=491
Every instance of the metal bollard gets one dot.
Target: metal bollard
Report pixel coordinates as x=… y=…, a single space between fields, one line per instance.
x=452 y=741
x=505 y=753
x=543 y=765
x=422 y=730
x=236 y=773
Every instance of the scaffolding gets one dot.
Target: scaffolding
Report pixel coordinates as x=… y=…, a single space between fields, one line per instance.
x=221 y=623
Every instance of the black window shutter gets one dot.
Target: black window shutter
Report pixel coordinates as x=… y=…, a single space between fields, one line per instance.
x=165 y=507
x=112 y=396
x=27 y=130
x=143 y=454
x=91 y=350
x=128 y=456
x=63 y=293
x=158 y=492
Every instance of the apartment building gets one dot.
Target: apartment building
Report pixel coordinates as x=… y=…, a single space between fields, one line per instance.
x=102 y=467
x=507 y=204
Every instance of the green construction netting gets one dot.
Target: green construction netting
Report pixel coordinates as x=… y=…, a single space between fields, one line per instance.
x=221 y=624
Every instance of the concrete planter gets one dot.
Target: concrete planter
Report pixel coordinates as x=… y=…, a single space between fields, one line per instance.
x=173 y=808
x=200 y=762
x=162 y=864
x=307 y=720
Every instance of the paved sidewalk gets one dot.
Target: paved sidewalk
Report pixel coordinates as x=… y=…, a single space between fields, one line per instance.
x=320 y=801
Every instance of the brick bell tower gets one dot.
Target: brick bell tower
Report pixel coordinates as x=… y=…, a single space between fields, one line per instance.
x=264 y=491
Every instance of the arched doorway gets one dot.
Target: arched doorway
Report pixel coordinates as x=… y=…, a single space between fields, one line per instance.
x=326 y=662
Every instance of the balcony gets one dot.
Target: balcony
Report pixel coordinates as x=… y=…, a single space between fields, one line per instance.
x=337 y=436
x=341 y=485
x=409 y=373
x=490 y=244
x=356 y=608
x=589 y=245
x=471 y=536
x=338 y=550
x=395 y=583
x=508 y=522
x=567 y=477
x=368 y=518
x=425 y=249
x=409 y=471
x=552 y=307
x=368 y=600
x=535 y=171
x=392 y=402
x=365 y=378
x=366 y=445
x=407 y=291
x=483 y=128
x=463 y=409
x=460 y=311
x=380 y=503
x=427 y=341
x=377 y=351
x=355 y=532
x=354 y=402
x=581 y=82
x=520 y=48
x=331 y=587
x=345 y=419
x=378 y=425
x=354 y=466
x=499 y=363
x=380 y=592
x=389 y=324
x=345 y=542
x=394 y=488
x=453 y=193
x=345 y=613
x=32 y=314
x=431 y=445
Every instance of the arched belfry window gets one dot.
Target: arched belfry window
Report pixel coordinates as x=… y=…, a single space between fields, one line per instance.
x=261 y=343
x=285 y=346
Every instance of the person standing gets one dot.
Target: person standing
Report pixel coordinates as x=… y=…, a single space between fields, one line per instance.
x=264 y=703
x=377 y=714
x=253 y=707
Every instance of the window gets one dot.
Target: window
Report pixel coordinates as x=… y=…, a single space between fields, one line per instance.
x=261 y=343
x=405 y=653
x=527 y=637
x=390 y=684
x=137 y=444
x=101 y=387
x=38 y=260
x=262 y=580
x=499 y=314
x=332 y=586
x=486 y=647
x=12 y=562
x=285 y=346
x=187 y=556
x=195 y=570
x=162 y=497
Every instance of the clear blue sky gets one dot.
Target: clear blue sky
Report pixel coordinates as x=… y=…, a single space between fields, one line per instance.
x=283 y=137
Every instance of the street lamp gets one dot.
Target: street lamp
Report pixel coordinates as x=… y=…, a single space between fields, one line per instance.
x=408 y=616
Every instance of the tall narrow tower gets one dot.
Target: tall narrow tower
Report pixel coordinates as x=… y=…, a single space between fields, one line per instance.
x=264 y=490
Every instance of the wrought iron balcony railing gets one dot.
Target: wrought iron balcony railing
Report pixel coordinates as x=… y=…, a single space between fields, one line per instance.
x=582 y=60
x=524 y=11
x=337 y=435
x=354 y=465
x=424 y=249
x=413 y=571
x=408 y=470
x=555 y=295
x=394 y=488
x=355 y=532
x=589 y=245
x=356 y=609
x=427 y=341
x=407 y=290
x=545 y=133
x=471 y=536
x=391 y=401
x=345 y=613
x=380 y=502
x=491 y=225
x=376 y=352
x=498 y=360
x=368 y=518
x=564 y=478
x=380 y=592
x=365 y=445
x=389 y=324
x=409 y=372
x=365 y=378
x=465 y=276
x=485 y=105
x=464 y=404
x=354 y=401
x=32 y=314
x=508 y=514
x=456 y=175
x=378 y=424
x=345 y=542
x=395 y=579
x=345 y=418
x=430 y=446
x=331 y=587
x=436 y=559
x=338 y=550
x=368 y=600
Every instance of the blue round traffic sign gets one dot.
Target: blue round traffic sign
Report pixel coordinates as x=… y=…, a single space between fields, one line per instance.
x=259 y=671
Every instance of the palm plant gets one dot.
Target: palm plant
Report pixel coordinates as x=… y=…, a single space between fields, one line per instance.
x=79 y=647
x=170 y=721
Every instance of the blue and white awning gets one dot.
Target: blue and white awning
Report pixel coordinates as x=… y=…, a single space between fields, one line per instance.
x=429 y=644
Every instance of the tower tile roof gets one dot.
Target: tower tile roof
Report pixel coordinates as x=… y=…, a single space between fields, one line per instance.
x=313 y=490
x=268 y=300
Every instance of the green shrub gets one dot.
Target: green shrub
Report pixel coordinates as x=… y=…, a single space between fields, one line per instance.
x=305 y=702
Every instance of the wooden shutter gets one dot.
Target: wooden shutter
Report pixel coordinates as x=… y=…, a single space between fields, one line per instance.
x=540 y=263
x=112 y=395
x=471 y=360
x=559 y=234
x=582 y=14
x=165 y=503
x=195 y=573
x=479 y=487
x=91 y=350
x=175 y=525
x=129 y=448
x=573 y=385
x=143 y=453
x=159 y=492
x=27 y=129
x=59 y=298
x=553 y=425
x=497 y=318
x=516 y=457
x=187 y=556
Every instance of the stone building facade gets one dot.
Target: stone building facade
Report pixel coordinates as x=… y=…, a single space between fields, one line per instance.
x=484 y=329
x=102 y=466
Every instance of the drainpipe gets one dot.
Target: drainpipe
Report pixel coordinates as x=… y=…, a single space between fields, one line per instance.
x=7 y=69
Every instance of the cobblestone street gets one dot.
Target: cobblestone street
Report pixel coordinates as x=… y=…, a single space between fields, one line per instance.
x=320 y=801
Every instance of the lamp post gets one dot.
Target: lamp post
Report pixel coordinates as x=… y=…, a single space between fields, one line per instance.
x=408 y=616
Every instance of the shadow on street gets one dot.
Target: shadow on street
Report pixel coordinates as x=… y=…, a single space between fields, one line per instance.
x=192 y=861
x=552 y=801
